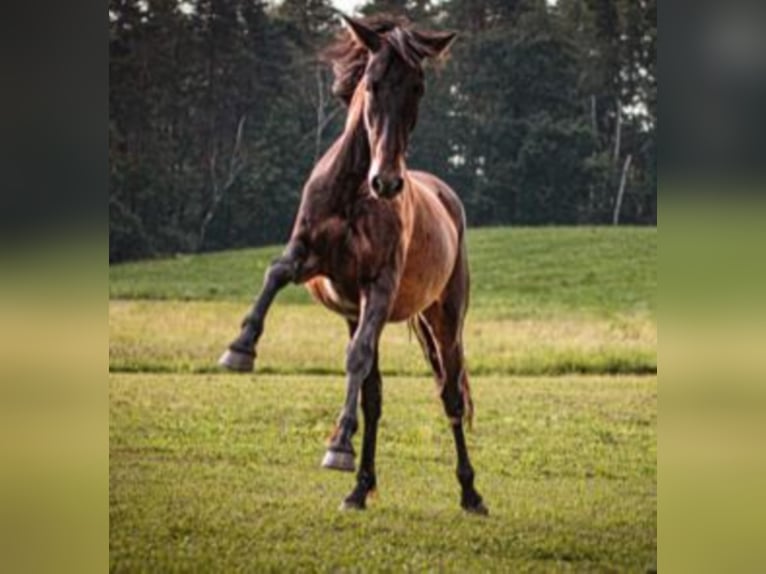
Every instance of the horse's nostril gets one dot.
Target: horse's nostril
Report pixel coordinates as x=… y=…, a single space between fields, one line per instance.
x=397 y=184
x=376 y=183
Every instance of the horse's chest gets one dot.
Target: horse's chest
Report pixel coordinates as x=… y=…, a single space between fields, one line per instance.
x=347 y=252
x=357 y=247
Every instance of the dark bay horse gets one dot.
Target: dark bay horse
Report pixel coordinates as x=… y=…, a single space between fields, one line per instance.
x=376 y=242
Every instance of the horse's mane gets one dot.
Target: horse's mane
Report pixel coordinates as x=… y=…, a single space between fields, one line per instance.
x=349 y=59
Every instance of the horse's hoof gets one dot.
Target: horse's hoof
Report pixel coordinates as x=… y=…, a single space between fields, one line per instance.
x=237 y=361
x=338 y=460
x=478 y=509
x=351 y=505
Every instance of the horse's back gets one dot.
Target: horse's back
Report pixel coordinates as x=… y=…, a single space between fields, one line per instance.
x=446 y=195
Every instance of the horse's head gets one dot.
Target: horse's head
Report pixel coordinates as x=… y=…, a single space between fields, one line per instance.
x=393 y=85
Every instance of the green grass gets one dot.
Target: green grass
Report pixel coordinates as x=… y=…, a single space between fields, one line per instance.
x=545 y=301
x=221 y=474
x=188 y=336
x=212 y=472
x=515 y=272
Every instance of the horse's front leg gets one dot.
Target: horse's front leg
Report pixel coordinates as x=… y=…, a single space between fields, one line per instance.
x=240 y=356
x=360 y=363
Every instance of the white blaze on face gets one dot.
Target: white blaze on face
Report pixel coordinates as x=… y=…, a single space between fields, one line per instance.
x=374 y=169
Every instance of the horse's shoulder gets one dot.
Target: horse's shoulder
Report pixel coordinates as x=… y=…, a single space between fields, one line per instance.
x=429 y=184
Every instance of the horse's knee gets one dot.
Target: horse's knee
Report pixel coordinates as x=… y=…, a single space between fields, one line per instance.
x=359 y=359
x=280 y=272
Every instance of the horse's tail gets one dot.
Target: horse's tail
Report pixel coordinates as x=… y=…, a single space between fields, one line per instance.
x=428 y=345
x=465 y=390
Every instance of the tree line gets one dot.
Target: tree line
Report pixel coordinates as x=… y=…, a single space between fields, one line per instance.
x=545 y=113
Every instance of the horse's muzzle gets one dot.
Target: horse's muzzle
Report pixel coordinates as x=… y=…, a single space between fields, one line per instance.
x=387 y=187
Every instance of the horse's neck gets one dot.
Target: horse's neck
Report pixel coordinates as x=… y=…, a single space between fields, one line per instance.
x=342 y=171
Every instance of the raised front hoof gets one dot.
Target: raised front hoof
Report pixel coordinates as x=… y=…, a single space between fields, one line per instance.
x=338 y=460
x=477 y=508
x=237 y=361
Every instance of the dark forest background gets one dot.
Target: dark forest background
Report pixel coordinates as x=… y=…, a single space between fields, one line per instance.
x=545 y=113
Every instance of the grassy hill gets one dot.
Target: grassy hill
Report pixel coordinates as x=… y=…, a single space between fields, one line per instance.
x=515 y=271
x=544 y=301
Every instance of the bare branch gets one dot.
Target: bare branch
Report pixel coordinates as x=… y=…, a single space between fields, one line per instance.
x=236 y=165
x=593 y=116
x=212 y=167
x=320 y=114
x=617 y=134
x=621 y=191
x=236 y=160
x=328 y=118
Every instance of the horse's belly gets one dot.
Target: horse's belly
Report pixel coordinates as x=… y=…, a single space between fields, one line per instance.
x=323 y=290
x=430 y=262
x=416 y=293
x=407 y=303
x=406 y=307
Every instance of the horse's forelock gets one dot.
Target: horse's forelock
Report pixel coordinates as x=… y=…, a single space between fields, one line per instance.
x=349 y=59
x=407 y=46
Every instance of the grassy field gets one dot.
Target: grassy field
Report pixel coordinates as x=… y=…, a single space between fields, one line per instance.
x=516 y=273
x=214 y=472
x=220 y=473
x=544 y=301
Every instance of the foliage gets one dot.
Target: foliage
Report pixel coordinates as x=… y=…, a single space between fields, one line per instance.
x=219 y=108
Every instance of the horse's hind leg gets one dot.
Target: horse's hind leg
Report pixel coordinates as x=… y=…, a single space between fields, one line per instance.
x=240 y=356
x=455 y=396
x=444 y=325
x=428 y=344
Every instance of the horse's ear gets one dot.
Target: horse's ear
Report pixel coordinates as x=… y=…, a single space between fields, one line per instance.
x=436 y=43
x=362 y=34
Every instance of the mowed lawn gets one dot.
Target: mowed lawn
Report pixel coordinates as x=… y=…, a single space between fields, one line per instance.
x=215 y=472
x=220 y=473
x=516 y=272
